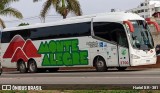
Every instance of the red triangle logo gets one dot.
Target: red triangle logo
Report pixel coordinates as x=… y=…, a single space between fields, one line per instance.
x=19 y=54
x=30 y=50
x=16 y=42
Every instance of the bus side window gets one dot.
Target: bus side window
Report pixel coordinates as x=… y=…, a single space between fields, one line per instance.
x=5 y=37
x=101 y=30
x=122 y=38
x=61 y=31
x=111 y=31
x=114 y=36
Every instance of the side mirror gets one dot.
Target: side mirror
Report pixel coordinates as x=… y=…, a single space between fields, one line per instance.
x=155 y=24
x=131 y=28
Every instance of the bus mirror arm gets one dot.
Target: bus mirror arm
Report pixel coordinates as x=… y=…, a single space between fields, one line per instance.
x=131 y=28
x=155 y=24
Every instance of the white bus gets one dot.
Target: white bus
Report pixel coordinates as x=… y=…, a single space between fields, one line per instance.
x=102 y=41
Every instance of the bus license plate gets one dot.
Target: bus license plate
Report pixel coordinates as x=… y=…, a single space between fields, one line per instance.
x=147 y=61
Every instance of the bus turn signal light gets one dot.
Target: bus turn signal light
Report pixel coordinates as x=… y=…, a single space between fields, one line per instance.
x=131 y=28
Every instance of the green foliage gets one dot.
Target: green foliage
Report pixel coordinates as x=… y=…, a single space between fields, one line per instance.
x=6 y=10
x=63 y=7
x=111 y=91
x=23 y=24
x=83 y=91
x=102 y=91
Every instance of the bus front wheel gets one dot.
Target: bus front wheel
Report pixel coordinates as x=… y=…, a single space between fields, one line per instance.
x=100 y=65
x=32 y=66
x=22 y=66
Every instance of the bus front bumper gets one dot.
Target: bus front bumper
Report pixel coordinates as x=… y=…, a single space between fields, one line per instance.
x=143 y=61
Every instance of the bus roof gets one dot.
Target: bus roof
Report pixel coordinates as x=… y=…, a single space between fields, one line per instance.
x=102 y=17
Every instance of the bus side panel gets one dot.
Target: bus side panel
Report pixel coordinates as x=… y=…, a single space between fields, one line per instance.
x=106 y=50
x=69 y=52
x=6 y=62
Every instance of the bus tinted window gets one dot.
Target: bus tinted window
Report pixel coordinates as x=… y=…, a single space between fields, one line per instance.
x=62 y=31
x=111 y=31
x=7 y=36
x=52 y=32
x=102 y=30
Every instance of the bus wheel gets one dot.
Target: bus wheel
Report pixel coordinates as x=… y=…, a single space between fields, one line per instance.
x=121 y=68
x=100 y=65
x=53 y=69
x=22 y=66
x=32 y=66
x=1 y=71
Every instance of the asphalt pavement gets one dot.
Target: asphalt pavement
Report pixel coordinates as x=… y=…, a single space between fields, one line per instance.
x=143 y=76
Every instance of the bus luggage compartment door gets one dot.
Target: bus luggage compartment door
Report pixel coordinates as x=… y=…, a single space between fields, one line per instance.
x=112 y=57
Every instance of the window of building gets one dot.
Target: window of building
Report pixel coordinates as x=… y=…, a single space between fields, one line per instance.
x=142 y=10
x=145 y=4
x=146 y=10
x=142 y=4
x=139 y=11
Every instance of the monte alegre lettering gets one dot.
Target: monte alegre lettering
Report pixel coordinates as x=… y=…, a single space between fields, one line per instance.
x=63 y=53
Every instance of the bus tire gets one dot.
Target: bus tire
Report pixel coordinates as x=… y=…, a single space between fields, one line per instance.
x=121 y=68
x=53 y=69
x=100 y=65
x=1 y=71
x=32 y=66
x=22 y=66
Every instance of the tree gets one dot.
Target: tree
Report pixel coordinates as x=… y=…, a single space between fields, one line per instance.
x=5 y=10
x=23 y=24
x=63 y=7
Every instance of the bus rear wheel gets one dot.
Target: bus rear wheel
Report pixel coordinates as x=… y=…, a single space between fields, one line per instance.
x=1 y=71
x=100 y=65
x=32 y=66
x=121 y=68
x=22 y=66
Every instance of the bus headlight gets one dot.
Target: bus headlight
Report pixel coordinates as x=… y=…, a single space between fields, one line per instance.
x=135 y=56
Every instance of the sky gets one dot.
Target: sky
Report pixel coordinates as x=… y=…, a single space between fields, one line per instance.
x=31 y=11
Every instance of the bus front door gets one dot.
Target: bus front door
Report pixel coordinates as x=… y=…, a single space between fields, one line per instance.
x=123 y=49
x=123 y=56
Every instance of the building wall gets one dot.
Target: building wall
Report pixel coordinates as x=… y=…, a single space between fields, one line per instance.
x=146 y=8
x=156 y=38
x=155 y=35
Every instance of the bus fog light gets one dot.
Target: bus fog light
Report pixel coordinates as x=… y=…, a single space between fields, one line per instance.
x=134 y=56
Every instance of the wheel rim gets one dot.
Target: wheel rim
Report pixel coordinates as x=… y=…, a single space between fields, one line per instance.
x=22 y=66
x=100 y=64
x=32 y=66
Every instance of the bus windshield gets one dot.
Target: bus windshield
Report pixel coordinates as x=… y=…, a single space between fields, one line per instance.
x=141 y=38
